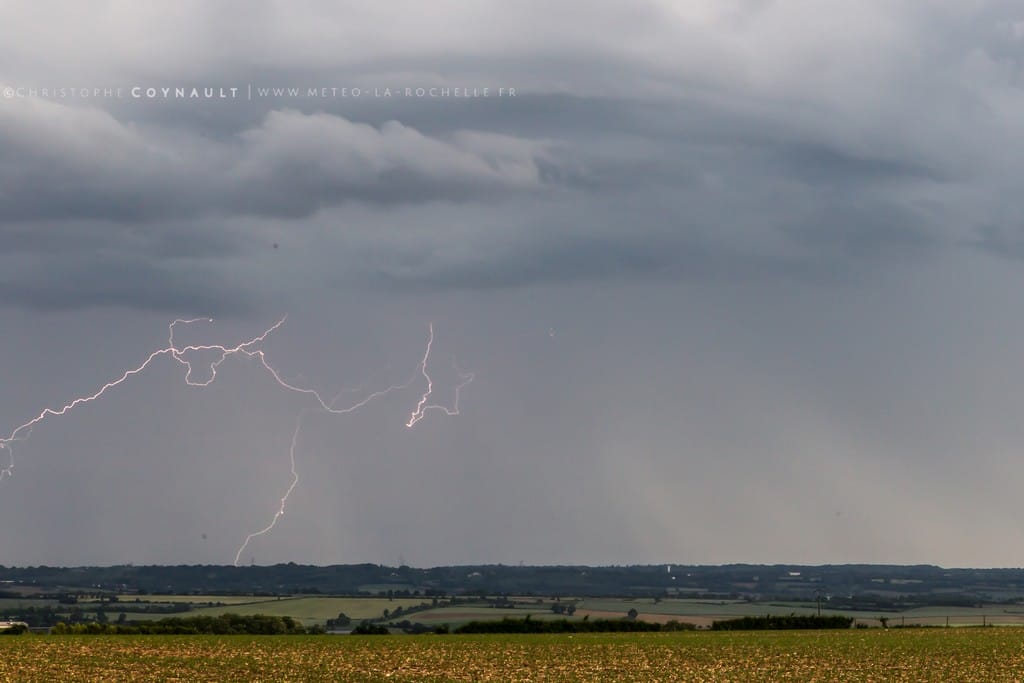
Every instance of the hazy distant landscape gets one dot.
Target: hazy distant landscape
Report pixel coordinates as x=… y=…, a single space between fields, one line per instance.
x=407 y=599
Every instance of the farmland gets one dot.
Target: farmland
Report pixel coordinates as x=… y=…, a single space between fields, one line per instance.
x=309 y=610
x=703 y=612
x=316 y=610
x=413 y=600
x=199 y=599
x=967 y=654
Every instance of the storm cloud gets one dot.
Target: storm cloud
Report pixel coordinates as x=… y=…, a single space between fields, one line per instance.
x=758 y=136
x=756 y=250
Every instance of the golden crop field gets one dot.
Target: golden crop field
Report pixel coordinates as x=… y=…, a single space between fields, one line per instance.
x=961 y=654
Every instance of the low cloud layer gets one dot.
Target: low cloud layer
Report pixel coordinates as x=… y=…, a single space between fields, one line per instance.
x=746 y=136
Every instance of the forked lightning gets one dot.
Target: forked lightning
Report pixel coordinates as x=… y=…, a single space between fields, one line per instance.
x=248 y=349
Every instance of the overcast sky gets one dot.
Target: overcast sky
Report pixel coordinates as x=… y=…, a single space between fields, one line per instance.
x=738 y=280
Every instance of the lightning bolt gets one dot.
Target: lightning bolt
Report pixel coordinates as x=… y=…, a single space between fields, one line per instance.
x=248 y=349
x=291 y=456
x=422 y=407
x=284 y=498
x=417 y=415
x=23 y=431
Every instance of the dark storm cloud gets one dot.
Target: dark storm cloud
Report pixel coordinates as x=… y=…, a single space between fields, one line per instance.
x=67 y=284
x=136 y=202
x=577 y=259
x=294 y=164
x=845 y=233
x=712 y=250
x=90 y=239
x=67 y=162
x=671 y=208
x=689 y=158
x=597 y=260
x=168 y=266
x=824 y=164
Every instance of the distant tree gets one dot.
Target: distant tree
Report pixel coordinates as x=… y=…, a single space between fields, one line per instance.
x=224 y=624
x=340 y=622
x=632 y=614
x=777 y=622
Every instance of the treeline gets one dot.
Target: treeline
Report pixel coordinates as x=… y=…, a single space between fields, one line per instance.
x=527 y=625
x=224 y=624
x=791 y=621
x=873 y=586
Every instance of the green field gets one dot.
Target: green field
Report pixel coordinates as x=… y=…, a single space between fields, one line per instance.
x=223 y=599
x=978 y=654
x=316 y=610
x=14 y=603
x=310 y=610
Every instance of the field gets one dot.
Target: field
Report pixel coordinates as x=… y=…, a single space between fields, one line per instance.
x=308 y=610
x=975 y=654
x=703 y=612
x=198 y=599
x=460 y=614
x=313 y=610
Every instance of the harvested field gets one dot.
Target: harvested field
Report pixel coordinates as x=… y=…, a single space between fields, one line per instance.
x=976 y=654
